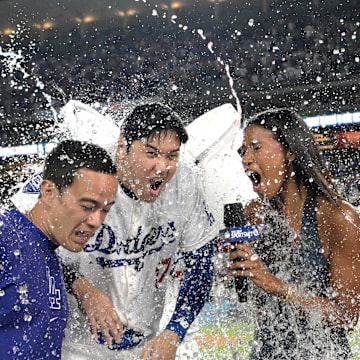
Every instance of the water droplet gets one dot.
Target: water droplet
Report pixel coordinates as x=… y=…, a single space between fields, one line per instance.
x=15 y=349
x=254 y=257
x=22 y=289
x=27 y=317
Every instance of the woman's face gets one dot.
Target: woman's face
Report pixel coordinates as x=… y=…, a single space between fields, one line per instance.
x=265 y=161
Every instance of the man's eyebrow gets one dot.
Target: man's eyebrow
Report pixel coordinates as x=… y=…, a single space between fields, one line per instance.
x=157 y=150
x=97 y=203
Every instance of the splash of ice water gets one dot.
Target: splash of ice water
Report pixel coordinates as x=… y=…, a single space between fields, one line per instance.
x=228 y=74
x=13 y=61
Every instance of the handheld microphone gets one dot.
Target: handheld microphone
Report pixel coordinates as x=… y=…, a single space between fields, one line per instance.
x=235 y=231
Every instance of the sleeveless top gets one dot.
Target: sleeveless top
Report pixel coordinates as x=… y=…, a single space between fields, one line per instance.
x=281 y=331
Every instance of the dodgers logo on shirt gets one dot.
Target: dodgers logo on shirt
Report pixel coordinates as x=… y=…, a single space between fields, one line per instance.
x=54 y=293
x=140 y=246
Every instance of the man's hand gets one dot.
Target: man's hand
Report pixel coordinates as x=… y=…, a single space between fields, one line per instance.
x=162 y=347
x=98 y=309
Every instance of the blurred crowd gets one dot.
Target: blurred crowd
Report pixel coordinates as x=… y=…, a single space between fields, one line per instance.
x=179 y=60
x=175 y=59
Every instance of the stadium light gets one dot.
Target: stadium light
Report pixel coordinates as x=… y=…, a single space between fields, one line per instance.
x=7 y=31
x=85 y=20
x=45 y=25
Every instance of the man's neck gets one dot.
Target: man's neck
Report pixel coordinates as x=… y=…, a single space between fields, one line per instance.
x=127 y=191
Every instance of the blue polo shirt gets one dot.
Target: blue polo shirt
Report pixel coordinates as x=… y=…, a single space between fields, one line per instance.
x=33 y=300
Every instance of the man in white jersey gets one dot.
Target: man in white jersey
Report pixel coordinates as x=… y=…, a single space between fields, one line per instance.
x=160 y=215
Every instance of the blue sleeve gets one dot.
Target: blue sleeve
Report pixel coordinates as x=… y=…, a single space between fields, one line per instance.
x=10 y=263
x=194 y=289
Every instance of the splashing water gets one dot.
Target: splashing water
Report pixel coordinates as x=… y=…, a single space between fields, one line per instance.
x=227 y=69
x=231 y=79
x=223 y=311
x=13 y=61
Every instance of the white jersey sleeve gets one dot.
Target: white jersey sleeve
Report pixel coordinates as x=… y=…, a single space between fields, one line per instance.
x=191 y=209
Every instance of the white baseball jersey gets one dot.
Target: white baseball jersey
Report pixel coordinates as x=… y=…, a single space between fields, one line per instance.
x=130 y=257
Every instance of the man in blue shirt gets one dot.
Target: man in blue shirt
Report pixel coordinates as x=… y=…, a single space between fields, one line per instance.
x=77 y=190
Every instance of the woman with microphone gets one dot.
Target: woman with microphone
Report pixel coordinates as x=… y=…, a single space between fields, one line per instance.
x=304 y=270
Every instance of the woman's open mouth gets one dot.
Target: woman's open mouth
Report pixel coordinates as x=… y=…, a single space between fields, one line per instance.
x=255 y=178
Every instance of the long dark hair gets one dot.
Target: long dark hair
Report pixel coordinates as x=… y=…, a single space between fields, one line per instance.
x=292 y=132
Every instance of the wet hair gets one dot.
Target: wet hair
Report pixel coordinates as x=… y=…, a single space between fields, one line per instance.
x=292 y=132
x=149 y=119
x=62 y=163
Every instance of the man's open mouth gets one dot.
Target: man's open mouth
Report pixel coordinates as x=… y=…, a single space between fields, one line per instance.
x=155 y=184
x=83 y=232
x=85 y=235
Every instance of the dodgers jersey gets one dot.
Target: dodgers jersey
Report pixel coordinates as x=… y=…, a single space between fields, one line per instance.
x=131 y=255
x=33 y=300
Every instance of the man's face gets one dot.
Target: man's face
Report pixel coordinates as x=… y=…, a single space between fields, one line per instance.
x=78 y=210
x=149 y=164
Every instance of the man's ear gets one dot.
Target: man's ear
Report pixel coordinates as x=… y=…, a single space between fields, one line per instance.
x=121 y=149
x=48 y=191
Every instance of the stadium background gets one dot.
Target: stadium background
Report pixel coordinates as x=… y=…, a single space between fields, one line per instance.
x=286 y=53
x=304 y=55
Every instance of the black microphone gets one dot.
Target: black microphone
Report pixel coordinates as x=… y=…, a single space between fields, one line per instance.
x=237 y=231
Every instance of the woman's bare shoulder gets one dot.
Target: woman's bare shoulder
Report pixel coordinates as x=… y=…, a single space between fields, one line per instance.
x=339 y=225
x=339 y=212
